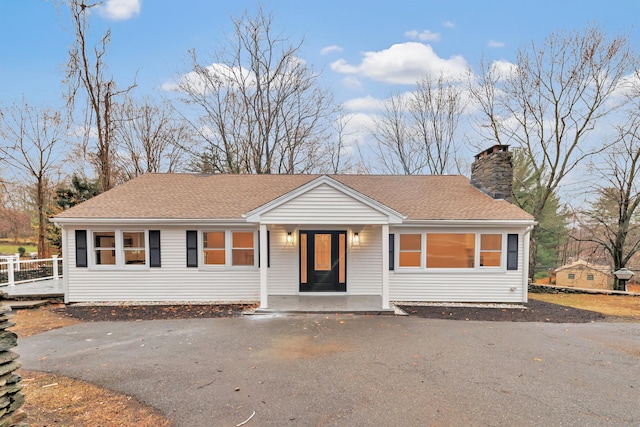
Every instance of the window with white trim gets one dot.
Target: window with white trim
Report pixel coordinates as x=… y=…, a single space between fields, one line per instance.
x=229 y=248
x=430 y=250
x=119 y=248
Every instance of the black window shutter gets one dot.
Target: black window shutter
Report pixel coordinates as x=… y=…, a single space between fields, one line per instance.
x=154 y=248
x=192 y=248
x=392 y=241
x=81 y=248
x=512 y=251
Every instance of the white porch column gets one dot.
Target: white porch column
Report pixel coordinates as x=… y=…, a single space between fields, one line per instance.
x=65 y=262
x=55 y=266
x=385 y=266
x=263 y=266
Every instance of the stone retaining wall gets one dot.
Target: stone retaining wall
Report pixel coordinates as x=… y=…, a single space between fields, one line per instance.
x=11 y=399
x=551 y=289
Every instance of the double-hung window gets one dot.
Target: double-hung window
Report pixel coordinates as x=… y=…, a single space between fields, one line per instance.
x=490 y=250
x=410 y=253
x=242 y=248
x=104 y=247
x=134 y=247
x=213 y=243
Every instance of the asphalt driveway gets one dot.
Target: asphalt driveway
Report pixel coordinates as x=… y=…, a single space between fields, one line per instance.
x=357 y=371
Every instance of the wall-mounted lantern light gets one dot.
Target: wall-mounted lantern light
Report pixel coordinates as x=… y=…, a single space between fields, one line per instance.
x=289 y=237
x=356 y=239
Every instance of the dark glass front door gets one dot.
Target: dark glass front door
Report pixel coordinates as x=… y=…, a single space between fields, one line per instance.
x=323 y=261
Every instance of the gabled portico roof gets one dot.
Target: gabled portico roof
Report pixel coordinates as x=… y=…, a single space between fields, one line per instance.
x=392 y=216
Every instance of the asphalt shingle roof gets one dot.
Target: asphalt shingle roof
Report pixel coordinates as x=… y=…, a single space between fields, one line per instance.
x=190 y=196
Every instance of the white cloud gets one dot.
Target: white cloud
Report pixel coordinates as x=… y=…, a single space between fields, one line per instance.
x=352 y=82
x=215 y=76
x=627 y=87
x=448 y=24
x=203 y=81
x=358 y=126
x=368 y=103
x=503 y=68
x=495 y=44
x=120 y=10
x=425 y=35
x=329 y=49
x=403 y=63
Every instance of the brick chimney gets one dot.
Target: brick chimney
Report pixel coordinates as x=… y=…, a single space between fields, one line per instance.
x=492 y=172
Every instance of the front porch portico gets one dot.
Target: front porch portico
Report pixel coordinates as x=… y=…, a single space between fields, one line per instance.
x=350 y=255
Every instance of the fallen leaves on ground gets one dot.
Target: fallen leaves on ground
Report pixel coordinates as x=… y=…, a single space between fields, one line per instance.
x=57 y=400
x=37 y=320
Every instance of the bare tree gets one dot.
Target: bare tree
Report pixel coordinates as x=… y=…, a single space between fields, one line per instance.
x=149 y=138
x=613 y=221
x=337 y=151
x=550 y=101
x=87 y=72
x=415 y=133
x=32 y=147
x=398 y=151
x=436 y=107
x=260 y=107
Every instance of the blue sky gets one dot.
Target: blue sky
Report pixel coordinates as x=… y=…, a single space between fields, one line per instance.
x=365 y=49
x=150 y=38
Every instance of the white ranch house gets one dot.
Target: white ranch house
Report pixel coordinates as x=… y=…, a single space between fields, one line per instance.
x=241 y=238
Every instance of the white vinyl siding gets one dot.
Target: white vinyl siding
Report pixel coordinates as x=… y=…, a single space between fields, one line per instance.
x=472 y=285
x=324 y=205
x=172 y=282
x=283 y=273
x=364 y=263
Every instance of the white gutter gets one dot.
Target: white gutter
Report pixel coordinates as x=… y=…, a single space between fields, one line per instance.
x=141 y=221
x=469 y=222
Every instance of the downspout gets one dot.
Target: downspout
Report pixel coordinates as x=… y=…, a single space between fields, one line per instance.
x=525 y=275
x=65 y=260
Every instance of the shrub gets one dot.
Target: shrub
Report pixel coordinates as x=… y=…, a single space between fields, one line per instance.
x=22 y=251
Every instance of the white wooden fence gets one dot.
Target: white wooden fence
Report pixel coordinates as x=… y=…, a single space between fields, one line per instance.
x=14 y=270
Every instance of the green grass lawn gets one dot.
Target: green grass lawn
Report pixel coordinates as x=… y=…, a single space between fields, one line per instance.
x=7 y=249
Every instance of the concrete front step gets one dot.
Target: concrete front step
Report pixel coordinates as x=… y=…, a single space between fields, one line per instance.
x=18 y=305
x=369 y=312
